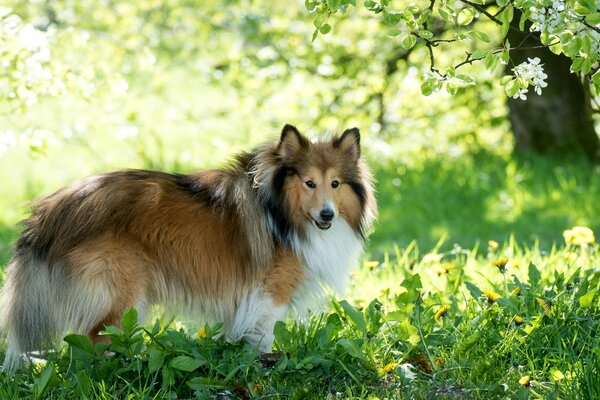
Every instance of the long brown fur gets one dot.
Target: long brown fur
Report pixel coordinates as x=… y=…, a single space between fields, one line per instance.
x=229 y=243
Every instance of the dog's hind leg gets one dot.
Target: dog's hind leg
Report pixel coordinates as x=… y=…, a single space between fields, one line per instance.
x=111 y=277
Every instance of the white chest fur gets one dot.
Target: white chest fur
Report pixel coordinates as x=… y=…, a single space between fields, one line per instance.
x=328 y=256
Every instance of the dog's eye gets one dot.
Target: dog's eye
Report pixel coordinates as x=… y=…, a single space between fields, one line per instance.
x=335 y=184
x=310 y=184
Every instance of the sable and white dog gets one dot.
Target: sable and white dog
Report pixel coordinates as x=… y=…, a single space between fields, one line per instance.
x=238 y=244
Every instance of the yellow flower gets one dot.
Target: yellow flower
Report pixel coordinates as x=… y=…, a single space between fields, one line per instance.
x=493 y=245
x=518 y=320
x=516 y=291
x=201 y=333
x=525 y=381
x=372 y=264
x=386 y=369
x=500 y=263
x=441 y=312
x=491 y=295
x=544 y=305
x=579 y=235
x=445 y=268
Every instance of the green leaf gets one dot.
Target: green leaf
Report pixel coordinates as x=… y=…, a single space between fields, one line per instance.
x=80 y=342
x=451 y=88
x=506 y=17
x=42 y=382
x=353 y=347
x=425 y=34
x=156 y=359
x=409 y=41
x=585 y=7
x=501 y=3
x=465 y=16
x=445 y=15
x=484 y=37
x=325 y=29
x=356 y=316
x=185 y=363
x=465 y=78
x=585 y=301
x=593 y=19
x=490 y=61
x=129 y=320
x=429 y=86
x=534 y=275
x=474 y=290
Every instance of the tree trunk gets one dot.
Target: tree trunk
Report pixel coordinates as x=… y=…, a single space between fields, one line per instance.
x=560 y=119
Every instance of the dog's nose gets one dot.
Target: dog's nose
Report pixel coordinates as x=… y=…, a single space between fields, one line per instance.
x=327 y=214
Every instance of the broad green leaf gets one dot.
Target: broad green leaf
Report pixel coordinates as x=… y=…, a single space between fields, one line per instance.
x=80 y=342
x=585 y=301
x=409 y=41
x=185 y=363
x=451 y=88
x=412 y=284
x=474 y=290
x=325 y=29
x=465 y=16
x=481 y=36
x=512 y=88
x=425 y=34
x=490 y=61
x=356 y=317
x=585 y=7
x=129 y=320
x=506 y=17
x=156 y=360
x=534 y=275
x=353 y=347
x=593 y=19
x=40 y=386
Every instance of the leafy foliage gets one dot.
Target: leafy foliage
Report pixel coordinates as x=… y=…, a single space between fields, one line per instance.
x=571 y=28
x=543 y=325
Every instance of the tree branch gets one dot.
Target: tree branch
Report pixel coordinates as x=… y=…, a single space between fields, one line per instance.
x=482 y=10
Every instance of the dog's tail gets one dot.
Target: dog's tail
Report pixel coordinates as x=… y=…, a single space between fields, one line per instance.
x=26 y=305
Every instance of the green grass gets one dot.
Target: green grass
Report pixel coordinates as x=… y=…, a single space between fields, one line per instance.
x=387 y=343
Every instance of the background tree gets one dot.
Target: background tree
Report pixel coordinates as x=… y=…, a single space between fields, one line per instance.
x=562 y=36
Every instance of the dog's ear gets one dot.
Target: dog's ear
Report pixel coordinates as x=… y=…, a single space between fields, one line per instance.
x=349 y=143
x=291 y=142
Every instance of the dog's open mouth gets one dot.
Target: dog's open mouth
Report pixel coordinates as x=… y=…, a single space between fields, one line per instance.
x=322 y=224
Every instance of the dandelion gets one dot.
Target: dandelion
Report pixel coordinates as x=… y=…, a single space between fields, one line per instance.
x=372 y=264
x=516 y=291
x=501 y=264
x=493 y=245
x=518 y=320
x=491 y=296
x=579 y=235
x=443 y=310
x=542 y=303
x=201 y=333
x=445 y=268
x=525 y=381
x=386 y=369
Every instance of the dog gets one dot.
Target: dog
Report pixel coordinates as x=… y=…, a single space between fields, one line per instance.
x=239 y=245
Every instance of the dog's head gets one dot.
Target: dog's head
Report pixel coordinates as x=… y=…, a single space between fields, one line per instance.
x=325 y=179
